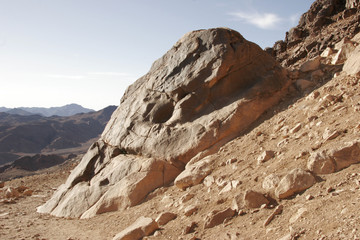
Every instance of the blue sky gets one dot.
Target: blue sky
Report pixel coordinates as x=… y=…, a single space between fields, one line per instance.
x=56 y=52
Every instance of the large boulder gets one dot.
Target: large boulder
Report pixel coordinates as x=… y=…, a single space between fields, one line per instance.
x=203 y=92
x=206 y=90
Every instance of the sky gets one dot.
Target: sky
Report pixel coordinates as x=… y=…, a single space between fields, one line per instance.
x=57 y=52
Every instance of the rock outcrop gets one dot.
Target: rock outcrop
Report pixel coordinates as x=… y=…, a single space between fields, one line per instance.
x=203 y=92
x=326 y=23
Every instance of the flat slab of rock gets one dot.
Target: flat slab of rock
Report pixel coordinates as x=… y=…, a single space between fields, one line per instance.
x=142 y=227
x=330 y=161
x=295 y=181
x=218 y=217
x=346 y=155
x=254 y=199
x=165 y=217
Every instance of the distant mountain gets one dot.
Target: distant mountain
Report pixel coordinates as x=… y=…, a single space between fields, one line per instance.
x=19 y=111
x=35 y=133
x=64 y=111
x=4 y=109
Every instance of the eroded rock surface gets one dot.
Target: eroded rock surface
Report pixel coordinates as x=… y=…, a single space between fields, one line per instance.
x=203 y=92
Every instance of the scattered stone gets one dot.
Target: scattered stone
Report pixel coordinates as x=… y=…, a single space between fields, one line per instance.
x=330 y=135
x=330 y=189
x=347 y=155
x=2 y=184
x=194 y=173
x=185 y=198
x=271 y=182
x=227 y=188
x=218 y=217
x=327 y=52
x=21 y=188
x=314 y=95
x=298 y=214
x=309 y=197
x=28 y=192
x=220 y=182
x=190 y=228
x=282 y=143
x=310 y=65
x=235 y=183
x=190 y=210
x=278 y=210
x=165 y=217
x=265 y=156
x=208 y=180
x=351 y=65
x=296 y=128
x=343 y=54
x=221 y=201
x=237 y=202
x=142 y=227
x=254 y=199
x=296 y=181
x=11 y=192
x=321 y=163
x=231 y=161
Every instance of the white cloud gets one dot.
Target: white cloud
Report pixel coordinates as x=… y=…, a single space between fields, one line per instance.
x=261 y=20
x=120 y=74
x=65 y=76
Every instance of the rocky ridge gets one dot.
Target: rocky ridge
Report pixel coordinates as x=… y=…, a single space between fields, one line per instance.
x=326 y=23
x=291 y=174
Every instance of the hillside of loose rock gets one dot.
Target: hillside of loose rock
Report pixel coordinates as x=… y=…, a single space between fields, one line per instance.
x=287 y=169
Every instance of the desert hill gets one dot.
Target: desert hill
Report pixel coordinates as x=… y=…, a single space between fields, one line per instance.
x=218 y=141
x=26 y=135
x=64 y=111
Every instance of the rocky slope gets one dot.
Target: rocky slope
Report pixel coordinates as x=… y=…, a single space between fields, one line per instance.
x=287 y=169
x=325 y=24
